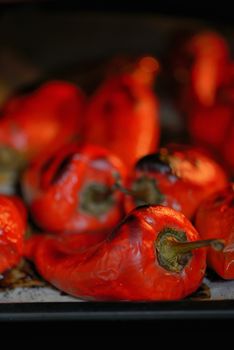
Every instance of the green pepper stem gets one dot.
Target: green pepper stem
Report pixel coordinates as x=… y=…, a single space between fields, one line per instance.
x=186 y=247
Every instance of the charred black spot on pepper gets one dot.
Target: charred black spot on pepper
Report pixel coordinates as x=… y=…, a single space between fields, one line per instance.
x=62 y=168
x=231 y=203
x=47 y=164
x=219 y=199
x=153 y=162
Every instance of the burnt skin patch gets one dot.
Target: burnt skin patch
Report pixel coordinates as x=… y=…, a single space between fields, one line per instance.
x=62 y=168
x=154 y=163
x=46 y=165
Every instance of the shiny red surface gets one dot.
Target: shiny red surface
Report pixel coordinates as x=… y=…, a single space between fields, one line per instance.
x=215 y=219
x=12 y=229
x=54 y=195
x=125 y=265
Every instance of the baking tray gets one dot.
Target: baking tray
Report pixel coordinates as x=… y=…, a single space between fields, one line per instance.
x=214 y=300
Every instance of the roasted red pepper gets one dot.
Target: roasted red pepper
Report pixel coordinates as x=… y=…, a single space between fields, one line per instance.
x=180 y=177
x=123 y=114
x=72 y=189
x=213 y=126
x=12 y=229
x=205 y=77
x=200 y=67
x=51 y=115
x=215 y=218
x=149 y=256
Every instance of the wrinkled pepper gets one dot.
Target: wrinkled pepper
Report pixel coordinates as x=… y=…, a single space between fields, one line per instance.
x=215 y=218
x=123 y=114
x=72 y=189
x=49 y=116
x=151 y=255
x=12 y=230
x=178 y=176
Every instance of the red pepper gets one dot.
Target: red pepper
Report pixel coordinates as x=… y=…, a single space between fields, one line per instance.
x=200 y=67
x=147 y=257
x=72 y=189
x=12 y=229
x=180 y=177
x=215 y=218
x=122 y=116
x=51 y=115
x=213 y=126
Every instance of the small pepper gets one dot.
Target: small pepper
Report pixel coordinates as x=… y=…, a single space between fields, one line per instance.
x=12 y=229
x=180 y=177
x=50 y=115
x=215 y=218
x=72 y=189
x=151 y=255
x=122 y=116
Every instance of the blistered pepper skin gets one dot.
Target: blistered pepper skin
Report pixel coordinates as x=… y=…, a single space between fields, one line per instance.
x=48 y=117
x=71 y=190
x=215 y=218
x=125 y=266
x=125 y=113
x=12 y=229
x=181 y=177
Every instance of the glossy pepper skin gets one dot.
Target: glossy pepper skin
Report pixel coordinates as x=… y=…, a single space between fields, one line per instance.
x=131 y=264
x=122 y=115
x=178 y=176
x=215 y=218
x=72 y=189
x=12 y=229
x=48 y=117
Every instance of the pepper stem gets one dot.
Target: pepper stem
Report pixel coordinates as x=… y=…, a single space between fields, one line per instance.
x=174 y=252
x=185 y=247
x=144 y=190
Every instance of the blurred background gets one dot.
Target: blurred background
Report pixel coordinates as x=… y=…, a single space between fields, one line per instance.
x=77 y=41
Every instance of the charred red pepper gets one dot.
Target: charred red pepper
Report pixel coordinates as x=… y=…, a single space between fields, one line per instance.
x=122 y=116
x=151 y=255
x=72 y=189
x=215 y=218
x=51 y=115
x=178 y=176
x=12 y=229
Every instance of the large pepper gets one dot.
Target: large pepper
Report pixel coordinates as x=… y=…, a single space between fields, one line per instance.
x=149 y=256
x=122 y=116
x=12 y=229
x=215 y=218
x=51 y=115
x=180 y=177
x=72 y=189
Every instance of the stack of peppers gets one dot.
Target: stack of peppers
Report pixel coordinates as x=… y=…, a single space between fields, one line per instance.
x=112 y=210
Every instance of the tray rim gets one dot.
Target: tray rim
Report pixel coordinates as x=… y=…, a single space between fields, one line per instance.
x=128 y=311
